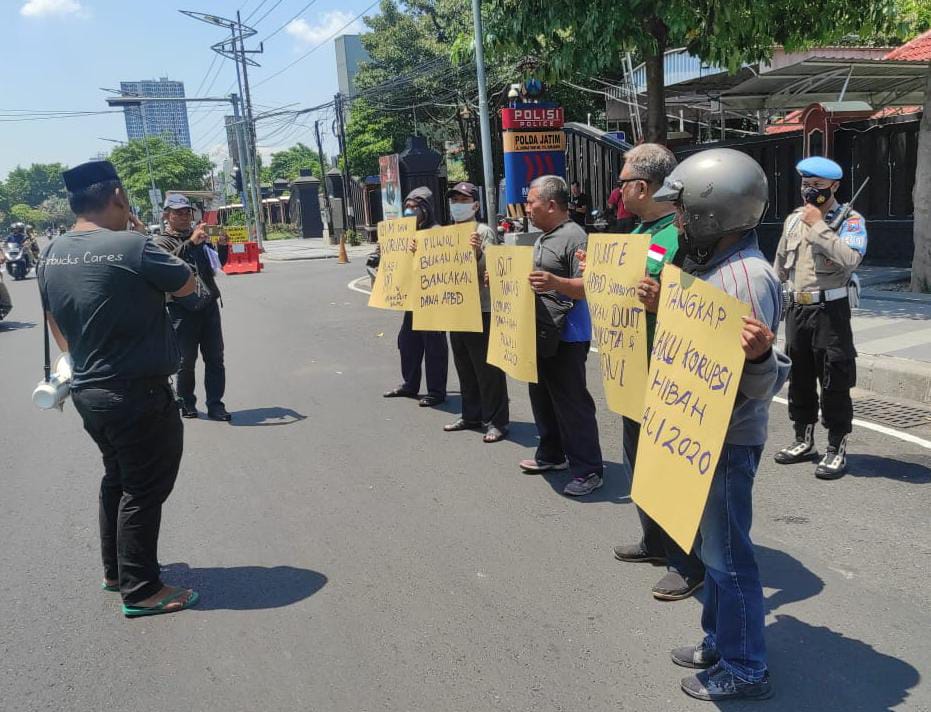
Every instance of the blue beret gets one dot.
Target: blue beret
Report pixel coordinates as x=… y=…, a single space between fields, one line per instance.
x=819 y=167
x=88 y=174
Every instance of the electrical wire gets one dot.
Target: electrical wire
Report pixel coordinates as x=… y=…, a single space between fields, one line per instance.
x=267 y=13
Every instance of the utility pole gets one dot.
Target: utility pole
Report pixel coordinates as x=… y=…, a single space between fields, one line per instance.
x=484 y=120
x=235 y=49
x=241 y=150
x=341 y=137
x=326 y=193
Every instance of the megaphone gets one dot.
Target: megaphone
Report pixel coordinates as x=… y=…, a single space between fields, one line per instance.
x=53 y=392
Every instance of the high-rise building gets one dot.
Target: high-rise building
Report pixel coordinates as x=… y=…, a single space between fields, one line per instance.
x=349 y=54
x=157 y=118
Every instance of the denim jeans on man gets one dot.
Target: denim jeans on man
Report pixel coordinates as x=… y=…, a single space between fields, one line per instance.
x=137 y=426
x=732 y=617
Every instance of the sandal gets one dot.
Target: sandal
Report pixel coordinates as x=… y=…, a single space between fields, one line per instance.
x=110 y=587
x=493 y=435
x=461 y=424
x=161 y=607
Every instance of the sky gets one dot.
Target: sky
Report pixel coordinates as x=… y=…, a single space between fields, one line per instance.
x=58 y=54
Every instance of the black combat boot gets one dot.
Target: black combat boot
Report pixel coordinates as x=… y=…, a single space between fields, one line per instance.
x=802 y=450
x=834 y=463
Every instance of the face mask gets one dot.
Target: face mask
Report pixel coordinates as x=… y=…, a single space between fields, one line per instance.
x=817 y=196
x=410 y=213
x=461 y=212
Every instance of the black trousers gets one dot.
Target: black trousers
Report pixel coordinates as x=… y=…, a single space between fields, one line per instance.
x=564 y=410
x=484 y=387
x=200 y=330
x=138 y=429
x=819 y=341
x=429 y=347
x=655 y=539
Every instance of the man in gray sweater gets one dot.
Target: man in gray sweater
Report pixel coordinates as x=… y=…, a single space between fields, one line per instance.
x=720 y=196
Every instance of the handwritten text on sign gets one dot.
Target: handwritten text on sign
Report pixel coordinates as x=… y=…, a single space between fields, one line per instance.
x=445 y=296
x=614 y=265
x=395 y=267
x=512 y=343
x=695 y=370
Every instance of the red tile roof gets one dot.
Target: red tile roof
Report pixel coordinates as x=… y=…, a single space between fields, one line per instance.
x=919 y=49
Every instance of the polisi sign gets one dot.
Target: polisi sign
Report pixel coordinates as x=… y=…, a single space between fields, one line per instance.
x=532 y=117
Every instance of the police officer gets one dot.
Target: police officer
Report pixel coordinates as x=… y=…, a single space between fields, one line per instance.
x=816 y=259
x=103 y=289
x=196 y=329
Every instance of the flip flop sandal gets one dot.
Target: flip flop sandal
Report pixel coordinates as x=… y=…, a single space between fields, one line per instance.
x=112 y=588
x=160 y=607
x=460 y=424
x=494 y=435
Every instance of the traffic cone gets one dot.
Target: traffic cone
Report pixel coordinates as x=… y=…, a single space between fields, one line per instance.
x=343 y=256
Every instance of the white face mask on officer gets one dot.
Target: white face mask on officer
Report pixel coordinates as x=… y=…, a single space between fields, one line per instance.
x=461 y=212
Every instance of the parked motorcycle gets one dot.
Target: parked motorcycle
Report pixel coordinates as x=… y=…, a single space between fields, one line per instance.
x=18 y=260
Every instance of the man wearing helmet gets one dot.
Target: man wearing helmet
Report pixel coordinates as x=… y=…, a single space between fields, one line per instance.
x=720 y=197
x=816 y=259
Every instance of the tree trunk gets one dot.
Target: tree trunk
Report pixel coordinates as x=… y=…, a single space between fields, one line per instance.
x=921 y=198
x=655 y=131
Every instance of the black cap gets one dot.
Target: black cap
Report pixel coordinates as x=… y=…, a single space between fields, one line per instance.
x=464 y=188
x=88 y=174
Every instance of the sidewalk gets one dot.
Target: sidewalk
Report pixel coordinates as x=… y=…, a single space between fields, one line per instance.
x=313 y=248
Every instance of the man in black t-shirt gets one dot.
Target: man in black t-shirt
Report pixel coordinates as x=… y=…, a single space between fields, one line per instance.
x=578 y=204
x=103 y=289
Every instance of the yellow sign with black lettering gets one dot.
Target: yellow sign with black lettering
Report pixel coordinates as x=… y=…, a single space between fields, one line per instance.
x=695 y=370
x=512 y=343
x=519 y=141
x=444 y=295
x=396 y=265
x=236 y=233
x=614 y=265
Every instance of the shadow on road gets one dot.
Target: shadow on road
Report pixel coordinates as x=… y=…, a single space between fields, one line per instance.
x=791 y=579
x=814 y=668
x=616 y=486
x=905 y=468
x=245 y=588
x=14 y=325
x=524 y=433
x=274 y=415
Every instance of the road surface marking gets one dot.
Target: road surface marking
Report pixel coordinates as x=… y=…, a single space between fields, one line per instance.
x=355 y=288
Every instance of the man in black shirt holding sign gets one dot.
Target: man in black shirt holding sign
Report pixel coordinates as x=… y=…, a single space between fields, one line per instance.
x=103 y=289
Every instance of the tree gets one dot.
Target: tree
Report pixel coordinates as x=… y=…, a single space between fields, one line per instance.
x=586 y=38
x=56 y=211
x=921 y=264
x=288 y=163
x=371 y=133
x=173 y=167
x=27 y=214
x=34 y=184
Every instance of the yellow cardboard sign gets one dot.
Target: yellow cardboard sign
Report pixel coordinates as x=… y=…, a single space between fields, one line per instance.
x=444 y=295
x=695 y=370
x=236 y=233
x=614 y=265
x=512 y=343
x=396 y=265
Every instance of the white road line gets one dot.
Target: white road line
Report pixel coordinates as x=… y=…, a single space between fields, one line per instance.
x=352 y=285
x=907 y=437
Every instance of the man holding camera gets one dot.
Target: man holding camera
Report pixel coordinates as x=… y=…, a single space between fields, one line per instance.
x=200 y=329
x=815 y=259
x=103 y=289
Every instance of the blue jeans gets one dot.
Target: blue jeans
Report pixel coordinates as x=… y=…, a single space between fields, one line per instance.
x=733 y=616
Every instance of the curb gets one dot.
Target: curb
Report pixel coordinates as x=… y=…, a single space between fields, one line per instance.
x=895 y=377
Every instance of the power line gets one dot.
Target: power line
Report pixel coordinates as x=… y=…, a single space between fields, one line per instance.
x=316 y=47
x=267 y=13
x=285 y=24
x=257 y=8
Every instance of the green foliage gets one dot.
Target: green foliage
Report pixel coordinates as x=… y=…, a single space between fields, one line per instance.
x=569 y=40
x=371 y=133
x=173 y=167
x=236 y=217
x=353 y=238
x=287 y=164
x=27 y=214
x=56 y=211
x=33 y=185
x=281 y=231
x=912 y=18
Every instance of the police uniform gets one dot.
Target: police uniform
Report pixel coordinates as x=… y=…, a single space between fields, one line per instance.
x=816 y=263
x=106 y=290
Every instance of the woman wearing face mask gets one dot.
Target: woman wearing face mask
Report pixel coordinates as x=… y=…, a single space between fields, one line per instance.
x=484 y=387
x=429 y=347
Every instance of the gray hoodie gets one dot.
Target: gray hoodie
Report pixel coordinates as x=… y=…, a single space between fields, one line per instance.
x=743 y=272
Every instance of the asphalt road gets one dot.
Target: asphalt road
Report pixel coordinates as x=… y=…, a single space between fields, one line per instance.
x=353 y=557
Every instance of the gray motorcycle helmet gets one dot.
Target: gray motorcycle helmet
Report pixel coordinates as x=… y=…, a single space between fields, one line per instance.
x=720 y=192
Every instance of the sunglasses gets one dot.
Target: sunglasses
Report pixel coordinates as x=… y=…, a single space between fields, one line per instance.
x=622 y=181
